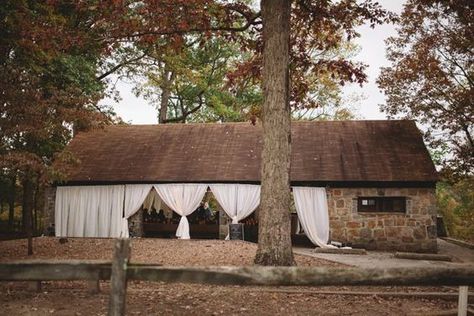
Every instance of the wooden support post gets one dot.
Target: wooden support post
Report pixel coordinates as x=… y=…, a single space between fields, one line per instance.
x=93 y=286
x=462 y=303
x=118 y=279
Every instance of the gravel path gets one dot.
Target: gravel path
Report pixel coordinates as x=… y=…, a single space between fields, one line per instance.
x=462 y=257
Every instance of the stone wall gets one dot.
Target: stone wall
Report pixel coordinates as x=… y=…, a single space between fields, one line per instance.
x=48 y=209
x=135 y=224
x=414 y=230
x=224 y=221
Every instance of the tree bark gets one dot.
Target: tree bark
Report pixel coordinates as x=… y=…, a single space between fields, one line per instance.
x=11 y=203
x=274 y=236
x=28 y=201
x=36 y=208
x=168 y=78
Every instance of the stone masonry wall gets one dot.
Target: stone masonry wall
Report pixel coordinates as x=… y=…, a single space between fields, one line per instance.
x=414 y=230
x=135 y=224
x=48 y=209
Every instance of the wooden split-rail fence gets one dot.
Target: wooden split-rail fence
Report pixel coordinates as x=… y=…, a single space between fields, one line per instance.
x=120 y=270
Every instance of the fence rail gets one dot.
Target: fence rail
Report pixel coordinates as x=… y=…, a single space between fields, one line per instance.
x=248 y=275
x=119 y=271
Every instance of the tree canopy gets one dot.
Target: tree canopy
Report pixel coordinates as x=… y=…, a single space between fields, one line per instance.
x=49 y=86
x=432 y=77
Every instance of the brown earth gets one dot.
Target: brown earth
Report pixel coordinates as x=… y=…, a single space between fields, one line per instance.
x=146 y=250
x=147 y=298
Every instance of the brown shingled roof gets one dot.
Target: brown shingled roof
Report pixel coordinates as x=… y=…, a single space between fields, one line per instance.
x=327 y=151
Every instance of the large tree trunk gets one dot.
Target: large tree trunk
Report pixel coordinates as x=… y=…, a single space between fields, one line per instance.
x=36 y=208
x=168 y=78
x=11 y=203
x=274 y=235
x=28 y=202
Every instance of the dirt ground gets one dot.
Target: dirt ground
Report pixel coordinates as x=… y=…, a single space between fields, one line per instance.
x=146 y=250
x=148 y=298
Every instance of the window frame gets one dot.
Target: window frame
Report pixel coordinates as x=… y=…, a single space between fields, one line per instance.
x=382 y=204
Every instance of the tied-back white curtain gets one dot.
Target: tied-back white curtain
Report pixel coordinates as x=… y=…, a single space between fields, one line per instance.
x=237 y=200
x=183 y=199
x=135 y=195
x=89 y=211
x=312 y=208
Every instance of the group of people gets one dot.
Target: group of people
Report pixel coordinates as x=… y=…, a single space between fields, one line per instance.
x=155 y=216
x=202 y=215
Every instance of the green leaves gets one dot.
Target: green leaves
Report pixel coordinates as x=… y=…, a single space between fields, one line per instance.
x=456 y=205
x=193 y=81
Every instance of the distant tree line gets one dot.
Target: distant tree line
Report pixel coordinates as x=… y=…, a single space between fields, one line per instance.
x=431 y=80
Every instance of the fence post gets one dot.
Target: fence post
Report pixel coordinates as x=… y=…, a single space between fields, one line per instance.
x=462 y=302
x=118 y=279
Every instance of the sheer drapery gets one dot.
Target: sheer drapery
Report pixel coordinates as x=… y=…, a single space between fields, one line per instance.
x=103 y=211
x=89 y=211
x=135 y=195
x=183 y=199
x=61 y=210
x=237 y=200
x=96 y=211
x=111 y=210
x=152 y=200
x=312 y=208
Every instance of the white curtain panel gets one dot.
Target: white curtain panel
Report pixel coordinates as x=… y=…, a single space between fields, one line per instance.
x=152 y=200
x=148 y=201
x=89 y=211
x=156 y=201
x=237 y=200
x=183 y=199
x=61 y=212
x=135 y=195
x=312 y=208
x=104 y=211
x=110 y=210
x=77 y=212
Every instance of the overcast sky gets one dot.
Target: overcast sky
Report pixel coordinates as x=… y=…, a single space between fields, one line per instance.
x=138 y=111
